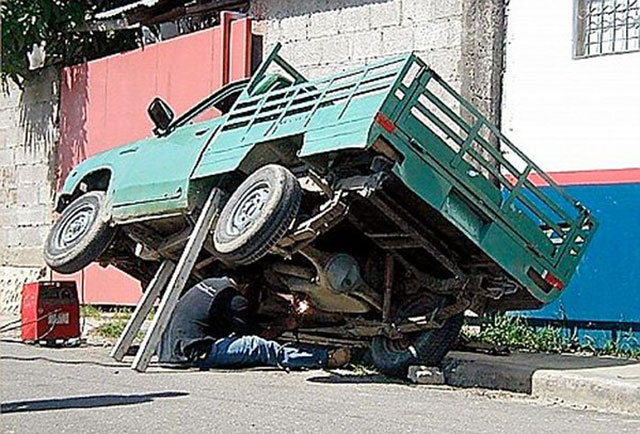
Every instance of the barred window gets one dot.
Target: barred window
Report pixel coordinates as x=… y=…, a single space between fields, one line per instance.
x=606 y=27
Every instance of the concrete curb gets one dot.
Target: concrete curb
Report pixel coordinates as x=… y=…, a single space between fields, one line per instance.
x=620 y=395
x=606 y=384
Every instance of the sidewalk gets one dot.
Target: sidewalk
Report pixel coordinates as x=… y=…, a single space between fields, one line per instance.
x=600 y=383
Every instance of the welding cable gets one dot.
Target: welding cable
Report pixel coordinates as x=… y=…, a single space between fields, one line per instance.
x=51 y=327
x=9 y=323
x=4 y=330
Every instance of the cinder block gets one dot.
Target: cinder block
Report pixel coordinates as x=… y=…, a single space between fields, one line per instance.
x=10 y=97
x=302 y=53
x=32 y=216
x=420 y=11
x=8 y=195
x=28 y=155
x=386 y=14
x=12 y=236
x=354 y=19
x=294 y=28
x=30 y=236
x=11 y=136
x=27 y=257
x=6 y=157
x=397 y=40
x=7 y=216
x=33 y=174
x=441 y=33
x=426 y=375
x=317 y=71
x=447 y=8
x=366 y=45
x=27 y=195
x=8 y=176
x=9 y=117
x=323 y=23
x=336 y=49
x=445 y=61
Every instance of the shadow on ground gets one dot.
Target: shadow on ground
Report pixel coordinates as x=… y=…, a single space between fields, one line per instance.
x=79 y=402
x=347 y=378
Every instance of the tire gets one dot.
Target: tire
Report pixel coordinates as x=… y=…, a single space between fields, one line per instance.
x=79 y=235
x=257 y=215
x=423 y=348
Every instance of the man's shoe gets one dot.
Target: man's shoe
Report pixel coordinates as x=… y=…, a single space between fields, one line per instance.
x=339 y=358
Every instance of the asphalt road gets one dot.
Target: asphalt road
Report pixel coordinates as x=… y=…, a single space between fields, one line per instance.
x=83 y=391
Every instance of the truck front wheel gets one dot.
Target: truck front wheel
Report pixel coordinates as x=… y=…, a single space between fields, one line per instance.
x=257 y=215
x=80 y=234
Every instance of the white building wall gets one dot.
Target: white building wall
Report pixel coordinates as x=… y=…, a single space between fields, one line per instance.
x=566 y=113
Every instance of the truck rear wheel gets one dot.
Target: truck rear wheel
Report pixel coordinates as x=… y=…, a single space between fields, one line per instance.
x=80 y=234
x=393 y=357
x=257 y=215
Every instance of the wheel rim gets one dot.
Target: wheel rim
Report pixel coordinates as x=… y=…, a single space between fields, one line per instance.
x=75 y=226
x=249 y=209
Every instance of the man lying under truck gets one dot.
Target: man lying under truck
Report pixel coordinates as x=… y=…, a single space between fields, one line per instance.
x=211 y=328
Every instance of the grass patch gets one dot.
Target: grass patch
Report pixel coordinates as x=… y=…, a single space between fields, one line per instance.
x=516 y=333
x=90 y=311
x=112 y=329
x=115 y=325
x=626 y=345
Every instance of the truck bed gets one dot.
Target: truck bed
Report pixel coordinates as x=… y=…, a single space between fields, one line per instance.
x=451 y=157
x=463 y=166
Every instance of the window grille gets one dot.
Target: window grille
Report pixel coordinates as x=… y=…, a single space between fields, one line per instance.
x=606 y=27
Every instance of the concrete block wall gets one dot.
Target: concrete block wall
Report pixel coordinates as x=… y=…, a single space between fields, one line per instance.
x=460 y=39
x=28 y=131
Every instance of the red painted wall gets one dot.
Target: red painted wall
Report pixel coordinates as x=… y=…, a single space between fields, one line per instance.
x=103 y=104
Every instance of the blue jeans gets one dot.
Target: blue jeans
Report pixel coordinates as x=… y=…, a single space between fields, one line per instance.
x=247 y=351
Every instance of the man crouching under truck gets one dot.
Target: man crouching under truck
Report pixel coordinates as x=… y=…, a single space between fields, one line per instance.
x=211 y=326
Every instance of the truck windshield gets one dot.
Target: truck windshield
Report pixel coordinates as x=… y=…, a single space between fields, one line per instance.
x=222 y=100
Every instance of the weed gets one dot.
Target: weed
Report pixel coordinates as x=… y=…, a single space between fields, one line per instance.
x=122 y=313
x=114 y=325
x=514 y=332
x=624 y=345
x=111 y=329
x=89 y=311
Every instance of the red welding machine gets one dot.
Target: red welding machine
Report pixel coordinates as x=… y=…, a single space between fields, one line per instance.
x=50 y=312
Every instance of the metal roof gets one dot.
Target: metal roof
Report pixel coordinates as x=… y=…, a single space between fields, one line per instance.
x=125 y=8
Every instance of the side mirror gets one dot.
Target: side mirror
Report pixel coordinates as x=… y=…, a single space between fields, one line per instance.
x=160 y=113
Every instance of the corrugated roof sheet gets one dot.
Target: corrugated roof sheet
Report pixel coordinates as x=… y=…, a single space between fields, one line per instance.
x=125 y=8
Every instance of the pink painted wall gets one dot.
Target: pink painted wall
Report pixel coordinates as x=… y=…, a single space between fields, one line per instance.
x=103 y=104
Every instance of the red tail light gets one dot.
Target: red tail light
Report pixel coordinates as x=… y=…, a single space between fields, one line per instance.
x=553 y=281
x=385 y=123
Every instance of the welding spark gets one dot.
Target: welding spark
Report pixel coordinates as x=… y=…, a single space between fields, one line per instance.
x=302 y=306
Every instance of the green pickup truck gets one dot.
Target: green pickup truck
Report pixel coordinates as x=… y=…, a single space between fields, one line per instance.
x=370 y=207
